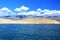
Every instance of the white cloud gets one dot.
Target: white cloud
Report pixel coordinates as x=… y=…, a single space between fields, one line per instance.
x=38 y=12
x=51 y=12
x=24 y=11
x=22 y=8
x=32 y=13
x=6 y=12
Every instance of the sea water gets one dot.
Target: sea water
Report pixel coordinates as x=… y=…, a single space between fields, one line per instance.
x=29 y=32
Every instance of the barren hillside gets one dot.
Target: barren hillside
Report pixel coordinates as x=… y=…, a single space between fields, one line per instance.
x=29 y=21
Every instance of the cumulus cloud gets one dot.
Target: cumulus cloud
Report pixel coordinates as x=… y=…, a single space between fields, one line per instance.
x=22 y=11
x=22 y=8
x=38 y=12
x=32 y=13
x=51 y=12
x=6 y=12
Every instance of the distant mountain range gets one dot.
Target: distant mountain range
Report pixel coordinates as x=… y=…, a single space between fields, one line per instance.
x=16 y=17
x=23 y=19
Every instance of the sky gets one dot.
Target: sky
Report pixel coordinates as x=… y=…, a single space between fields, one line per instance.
x=32 y=4
x=45 y=6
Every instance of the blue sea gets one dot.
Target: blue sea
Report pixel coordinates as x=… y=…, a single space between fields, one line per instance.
x=29 y=32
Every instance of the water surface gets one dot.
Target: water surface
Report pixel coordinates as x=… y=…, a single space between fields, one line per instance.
x=29 y=32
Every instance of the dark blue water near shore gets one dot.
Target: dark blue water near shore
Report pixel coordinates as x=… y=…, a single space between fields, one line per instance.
x=29 y=32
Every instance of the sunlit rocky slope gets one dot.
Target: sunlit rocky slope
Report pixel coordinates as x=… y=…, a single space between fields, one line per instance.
x=29 y=21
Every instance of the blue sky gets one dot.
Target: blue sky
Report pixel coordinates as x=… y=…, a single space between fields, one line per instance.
x=29 y=7
x=32 y=4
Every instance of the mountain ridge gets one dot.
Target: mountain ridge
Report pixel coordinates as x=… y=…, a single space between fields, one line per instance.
x=29 y=21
